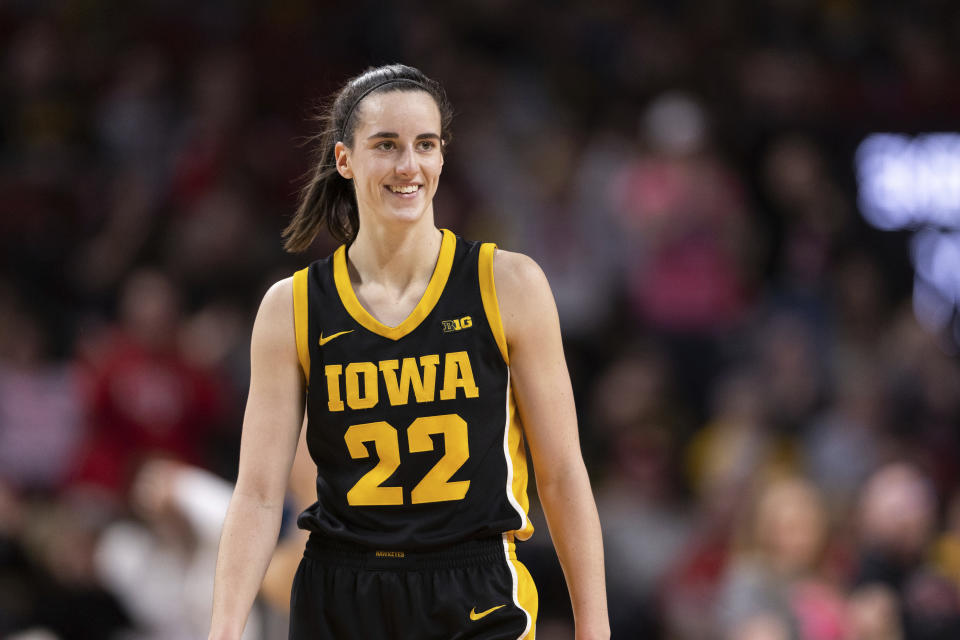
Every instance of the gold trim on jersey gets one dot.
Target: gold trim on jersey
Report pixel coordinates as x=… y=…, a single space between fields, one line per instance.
x=341 y=277
x=515 y=454
x=513 y=447
x=524 y=589
x=488 y=293
x=300 y=306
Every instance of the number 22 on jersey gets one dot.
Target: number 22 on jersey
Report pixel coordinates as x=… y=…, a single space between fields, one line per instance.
x=433 y=487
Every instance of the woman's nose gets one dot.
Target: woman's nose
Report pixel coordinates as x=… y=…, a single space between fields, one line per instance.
x=406 y=163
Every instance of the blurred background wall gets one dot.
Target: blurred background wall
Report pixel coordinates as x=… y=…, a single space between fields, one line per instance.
x=758 y=300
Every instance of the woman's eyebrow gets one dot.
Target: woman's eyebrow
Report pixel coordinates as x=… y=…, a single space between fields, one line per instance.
x=390 y=134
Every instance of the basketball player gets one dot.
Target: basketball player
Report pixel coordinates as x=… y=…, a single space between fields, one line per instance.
x=426 y=364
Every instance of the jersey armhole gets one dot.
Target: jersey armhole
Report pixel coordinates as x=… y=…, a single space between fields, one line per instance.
x=488 y=293
x=300 y=307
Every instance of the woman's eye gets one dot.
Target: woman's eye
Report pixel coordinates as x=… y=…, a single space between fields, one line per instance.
x=386 y=145
x=427 y=145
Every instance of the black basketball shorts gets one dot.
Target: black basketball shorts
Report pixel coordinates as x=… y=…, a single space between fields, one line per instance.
x=476 y=589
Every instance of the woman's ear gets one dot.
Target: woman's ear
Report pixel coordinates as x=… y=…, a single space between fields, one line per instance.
x=342 y=155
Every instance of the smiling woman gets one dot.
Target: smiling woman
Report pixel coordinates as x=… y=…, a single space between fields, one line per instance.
x=395 y=164
x=330 y=200
x=435 y=362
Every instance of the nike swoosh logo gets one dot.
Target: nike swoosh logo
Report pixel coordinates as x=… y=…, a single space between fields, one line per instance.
x=476 y=616
x=324 y=341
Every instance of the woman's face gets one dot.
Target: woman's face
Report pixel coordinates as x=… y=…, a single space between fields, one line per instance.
x=395 y=161
x=791 y=525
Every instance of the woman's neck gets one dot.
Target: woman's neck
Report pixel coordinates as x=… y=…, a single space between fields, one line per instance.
x=395 y=257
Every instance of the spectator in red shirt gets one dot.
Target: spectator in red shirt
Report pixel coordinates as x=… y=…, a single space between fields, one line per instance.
x=145 y=396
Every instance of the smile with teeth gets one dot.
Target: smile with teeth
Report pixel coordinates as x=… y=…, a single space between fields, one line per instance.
x=404 y=188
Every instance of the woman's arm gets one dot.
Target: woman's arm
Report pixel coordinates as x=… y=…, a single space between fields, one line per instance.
x=271 y=428
x=302 y=489
x=544 y=397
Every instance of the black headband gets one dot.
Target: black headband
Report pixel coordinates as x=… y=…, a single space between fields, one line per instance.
x=346 y=121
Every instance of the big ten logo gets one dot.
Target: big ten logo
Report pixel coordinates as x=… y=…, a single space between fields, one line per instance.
x=456 y=325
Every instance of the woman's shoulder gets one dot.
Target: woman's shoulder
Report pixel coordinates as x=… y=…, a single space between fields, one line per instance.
x=277 y=303
x=279 y=292
x=523 y=293
x=517 y=274
x=274 y=329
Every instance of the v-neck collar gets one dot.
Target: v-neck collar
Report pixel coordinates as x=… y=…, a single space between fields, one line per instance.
x=341 y=278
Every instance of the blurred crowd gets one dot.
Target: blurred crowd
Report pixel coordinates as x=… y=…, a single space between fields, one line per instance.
x=774 y=440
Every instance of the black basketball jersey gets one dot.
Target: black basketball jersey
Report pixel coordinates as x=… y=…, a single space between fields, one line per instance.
x=413 y=428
